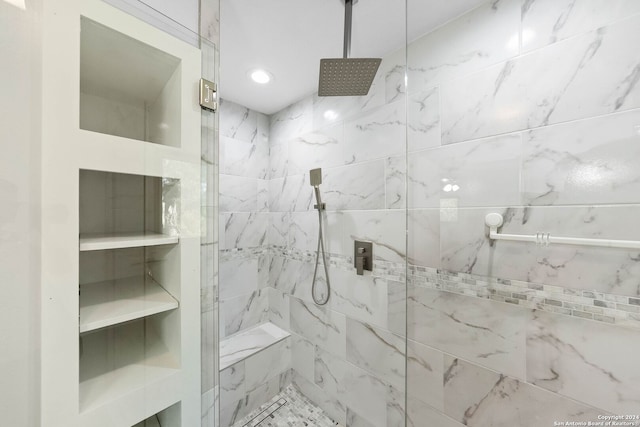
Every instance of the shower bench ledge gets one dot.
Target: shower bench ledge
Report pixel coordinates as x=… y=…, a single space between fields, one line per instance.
x=238 y=347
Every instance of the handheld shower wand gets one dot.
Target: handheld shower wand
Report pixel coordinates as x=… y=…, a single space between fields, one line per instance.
x=315 y=177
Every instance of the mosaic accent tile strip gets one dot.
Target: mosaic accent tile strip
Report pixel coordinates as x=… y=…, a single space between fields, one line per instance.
x=598 y=306
x=607 y=308
x=289 y=408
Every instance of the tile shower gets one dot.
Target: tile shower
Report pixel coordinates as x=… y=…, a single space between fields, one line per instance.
x=528 y=108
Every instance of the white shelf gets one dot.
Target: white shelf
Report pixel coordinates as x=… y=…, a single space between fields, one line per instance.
x=97 y=242
x=145 y=366
x=108 y=303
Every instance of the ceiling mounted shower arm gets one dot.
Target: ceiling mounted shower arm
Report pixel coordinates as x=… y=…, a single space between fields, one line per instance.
x=348 y=7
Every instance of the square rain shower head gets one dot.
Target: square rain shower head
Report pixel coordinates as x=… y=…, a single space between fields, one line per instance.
x=347 y=76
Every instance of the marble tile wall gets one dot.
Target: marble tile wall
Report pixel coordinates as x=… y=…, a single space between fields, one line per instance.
x=345 y=357
x=251 y=382
x=529 y=108
x=244 y=217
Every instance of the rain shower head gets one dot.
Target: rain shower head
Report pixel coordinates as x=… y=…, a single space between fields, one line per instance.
x=347 y=76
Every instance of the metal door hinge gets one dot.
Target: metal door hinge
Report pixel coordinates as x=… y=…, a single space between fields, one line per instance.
x=208 y=93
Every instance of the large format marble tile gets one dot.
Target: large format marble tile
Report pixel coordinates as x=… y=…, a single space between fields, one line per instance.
x=359 y=297
x=587 y=361
x=375 y=134
x=418 y=413
x=278 y=232
x=423 y=239
x=479 y=397
x=425 y=374
x=238 y=194
x=362 y=392
x=423 y=129
x=278 y=157
x=395 y=177
x=303 y=231
x=465 y=247
x=264 y=264
x=244 y=158
x=262 y=195
x=323 y=327
x=378 y=351
x=235 y=411
x=243 y=230
x=397 y=307
x=330 y=110
x=244 y=311
x=478 y=173
x=548 y=21
x=278 y=308
x=238 y=276
x=384 y=228
x=264 y=365
x=238 y=122
x=303 y=357
x=293 y=277
x=232 y=384
x=333 y=406
x=469 y=327
x=319 y=149
x=482 y=37
x=291 y=193
x=357 y=186
x=560 y=83
x=591 y=161
x=292 y=121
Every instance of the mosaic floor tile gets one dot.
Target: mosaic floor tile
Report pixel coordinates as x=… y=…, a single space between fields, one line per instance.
x=289 y=408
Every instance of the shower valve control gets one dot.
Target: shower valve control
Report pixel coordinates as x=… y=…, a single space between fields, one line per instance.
x=362 y=256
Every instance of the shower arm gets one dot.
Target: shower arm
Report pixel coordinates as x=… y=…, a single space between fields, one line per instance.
x=348 y=4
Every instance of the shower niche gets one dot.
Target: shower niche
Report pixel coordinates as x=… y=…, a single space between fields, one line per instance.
x=121 y=180
x=129 y=284
x=128 y=88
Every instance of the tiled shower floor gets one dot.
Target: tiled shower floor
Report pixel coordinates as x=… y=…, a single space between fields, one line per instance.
x=289 y=408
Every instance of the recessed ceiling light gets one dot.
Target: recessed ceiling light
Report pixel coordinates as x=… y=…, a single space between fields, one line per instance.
x=260 y=76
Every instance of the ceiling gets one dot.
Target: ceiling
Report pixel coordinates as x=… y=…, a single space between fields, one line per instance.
x=288 y=37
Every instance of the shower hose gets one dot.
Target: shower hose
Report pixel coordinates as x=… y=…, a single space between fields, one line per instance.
x=324 y=259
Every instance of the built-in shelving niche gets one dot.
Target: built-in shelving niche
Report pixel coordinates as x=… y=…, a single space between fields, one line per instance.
x=129 y=285
x=128 y=88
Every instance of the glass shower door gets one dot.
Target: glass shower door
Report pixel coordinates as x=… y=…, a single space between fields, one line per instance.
x=344 y=360
x=528 y=110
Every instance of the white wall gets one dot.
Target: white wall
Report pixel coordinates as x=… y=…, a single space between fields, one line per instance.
x=19 y=215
